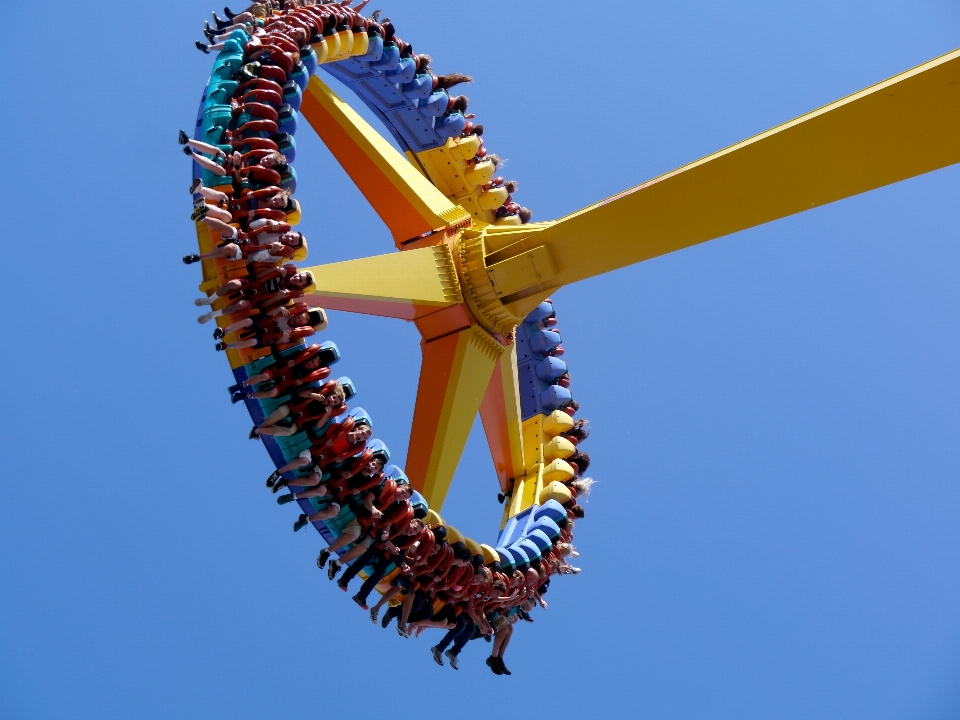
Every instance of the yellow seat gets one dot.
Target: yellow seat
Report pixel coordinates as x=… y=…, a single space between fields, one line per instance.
x=480 y=174
x=555 y=491
x=508 y=220
x=559 y=447
x=346 y=42
x=557 y=423
x=361 y=43
x=322 y=50
x=489 y=555
x=465 y=148
x=473 y=546
x=557 y=470
x=453 y=535
x=433 y=519
x=492 y=199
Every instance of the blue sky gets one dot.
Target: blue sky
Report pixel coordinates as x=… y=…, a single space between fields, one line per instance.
x=775 y=529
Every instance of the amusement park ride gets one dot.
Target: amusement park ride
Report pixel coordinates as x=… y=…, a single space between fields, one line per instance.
x=469 y=283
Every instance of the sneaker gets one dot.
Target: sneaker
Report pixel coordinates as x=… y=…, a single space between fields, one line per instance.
x=300 y=524
x=503 y=668
x=373 y=614
x=199 y=213
x=494 y=665
x=359 y=601
x=322 y=558
x=274 y=476
x=218 y=334
x=437 y=655
x=332 y=569
x=187 y=151
x=253 y=434
x=237 y=397
x=402 y=631
x=220 y=347
x=284 y=499
x=203 y=48
x=526 y=616
x=182 y=139
x=196 y=184
x=229 y=13
x=205 y=318
x=191 y=259
x=452 y=657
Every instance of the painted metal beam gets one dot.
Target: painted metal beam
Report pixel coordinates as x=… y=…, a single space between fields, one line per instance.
x=403 y=198
x=500 y=413
x=404 y=285
x=900 y=128
x=454 y=375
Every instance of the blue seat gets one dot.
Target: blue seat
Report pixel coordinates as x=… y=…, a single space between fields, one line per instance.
x=403 y=73
x=540 y=539
x=395 y=473
x=374 y=50
x=550 y=368
x=531 y=548
x=419 y=88
x=550 y=509
x=389 y=59
x=286 y=144
x=507 y=559
x=450 y=126
x=300 y=76
x=544 y=341
x=308 y=57
x=540 y=313
x=555 y=397
x=546 y=526
x=292 y=94
x=436 y=104
x=520 y=556
x=287 y=119
x=349 y=389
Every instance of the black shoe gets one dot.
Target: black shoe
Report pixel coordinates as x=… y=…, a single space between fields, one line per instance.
x=526 y=616
x=300 y=524
x=219 y=347
x=209 y=31
x=195 y=186
x=199 y=212
x=199 y=202
x=187 y=150
x=191 y=259
x=203 y=48
x=501 y=497
x=235 y=388
x=322 y=558
x=356 y=598
x=254 y=435
x=503 y=668
x=494 y=665
x=274 y=476
x=284 y=499
x=218 y=334
x=182 y=139
x=229 y=13
x=237 y=397
x=332 y=569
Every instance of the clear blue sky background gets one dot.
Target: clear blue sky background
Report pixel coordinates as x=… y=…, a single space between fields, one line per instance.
x=776 y=531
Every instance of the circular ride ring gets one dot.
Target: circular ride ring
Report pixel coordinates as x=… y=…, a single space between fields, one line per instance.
x=489 y=338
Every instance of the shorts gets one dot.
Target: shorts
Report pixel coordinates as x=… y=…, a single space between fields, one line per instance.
x=237 y=255
x=352 y=528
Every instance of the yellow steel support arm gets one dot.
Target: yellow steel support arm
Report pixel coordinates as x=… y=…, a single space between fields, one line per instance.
x=404 y=285
x=897 y=129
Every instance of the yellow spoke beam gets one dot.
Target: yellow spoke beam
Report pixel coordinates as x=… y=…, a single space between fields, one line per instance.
x=404 y=285
x=902 y=127
x=454 y=375
x=502 y=421
x=405 y=200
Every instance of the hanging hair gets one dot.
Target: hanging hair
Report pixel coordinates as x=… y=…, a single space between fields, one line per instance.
x=495 y=159
x=511 y=186
x=445 y=82
x=460 y=104
x=582 y=486
x=423 y=62
x=525 y=215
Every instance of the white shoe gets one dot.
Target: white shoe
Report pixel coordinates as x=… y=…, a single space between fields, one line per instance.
x=201 y=302
x=574 y=570
x=204 y=319
x=573 y=554
x=452 y=658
